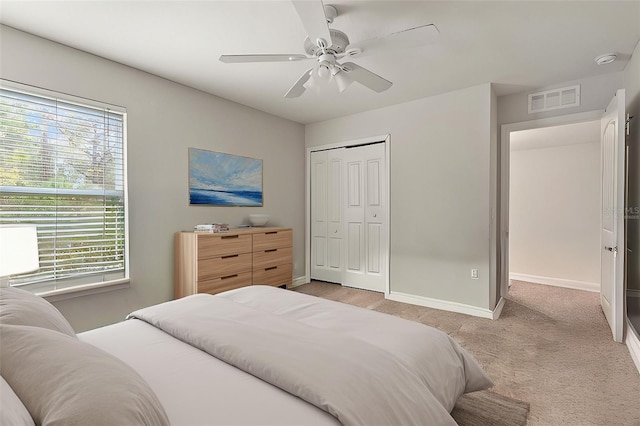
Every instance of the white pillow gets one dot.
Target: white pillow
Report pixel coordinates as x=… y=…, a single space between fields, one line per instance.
x=12 y=411
x=19 y=307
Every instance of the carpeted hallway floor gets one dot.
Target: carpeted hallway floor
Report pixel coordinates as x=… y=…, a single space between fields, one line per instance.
x=551 y=347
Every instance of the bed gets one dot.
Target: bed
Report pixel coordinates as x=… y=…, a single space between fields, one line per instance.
x=258 y=355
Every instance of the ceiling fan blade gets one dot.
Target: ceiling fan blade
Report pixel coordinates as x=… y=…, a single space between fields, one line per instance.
x=365 y=77
x=262 y=58
x=298 y=87
x=313 y=19
x=413 y=37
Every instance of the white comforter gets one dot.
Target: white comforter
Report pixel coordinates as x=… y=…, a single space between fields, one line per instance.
x=361 y=366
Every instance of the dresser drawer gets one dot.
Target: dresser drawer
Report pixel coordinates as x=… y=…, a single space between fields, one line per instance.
x=214 y=267
x=271 y=240
x=229 y=282
x=274 y=275
x=272 y=257
x=214 y=245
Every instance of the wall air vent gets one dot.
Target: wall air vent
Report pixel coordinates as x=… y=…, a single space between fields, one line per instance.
x=554 y=99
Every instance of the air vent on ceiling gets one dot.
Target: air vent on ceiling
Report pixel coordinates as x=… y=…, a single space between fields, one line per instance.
x=554 y=99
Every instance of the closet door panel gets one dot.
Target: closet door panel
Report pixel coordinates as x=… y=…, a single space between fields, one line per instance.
x=374 y=248
x=326 y=216
x=355 y=217
x=318 y=213
x=365 y=214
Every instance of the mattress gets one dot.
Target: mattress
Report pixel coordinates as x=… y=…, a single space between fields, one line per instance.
x=198 y=389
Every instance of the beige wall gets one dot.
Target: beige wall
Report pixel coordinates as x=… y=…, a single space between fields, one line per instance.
x=164 y=119
x=632 y=93
x=440 y=190
x=554 y=217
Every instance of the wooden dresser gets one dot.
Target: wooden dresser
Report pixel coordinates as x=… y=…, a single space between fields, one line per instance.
x=217 y=262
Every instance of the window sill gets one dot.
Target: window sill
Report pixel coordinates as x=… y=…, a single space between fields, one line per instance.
x=84 y=290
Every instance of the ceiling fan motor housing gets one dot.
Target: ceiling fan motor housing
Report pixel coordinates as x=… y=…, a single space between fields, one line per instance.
x=339 y=42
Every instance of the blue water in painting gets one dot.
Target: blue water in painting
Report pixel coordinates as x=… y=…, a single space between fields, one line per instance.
x=225 y=198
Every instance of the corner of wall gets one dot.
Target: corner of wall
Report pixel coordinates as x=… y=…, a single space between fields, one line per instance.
x=494 y=255
x=632 y=93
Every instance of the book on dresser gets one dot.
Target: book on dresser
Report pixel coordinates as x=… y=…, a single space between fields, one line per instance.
x=211 y=227
x=210 y=262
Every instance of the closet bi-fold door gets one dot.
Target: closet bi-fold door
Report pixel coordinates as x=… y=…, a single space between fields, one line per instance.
x=365 y=221
x=349 y=224
x=327 y=253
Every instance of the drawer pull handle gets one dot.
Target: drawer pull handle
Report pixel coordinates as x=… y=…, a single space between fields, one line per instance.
x=270 y=268
x=227 y=237
x=268 y=251
x=272 y=232
x=229 y=256
x=229 y=276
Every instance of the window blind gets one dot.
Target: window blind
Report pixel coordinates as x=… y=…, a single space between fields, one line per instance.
x=63 y=169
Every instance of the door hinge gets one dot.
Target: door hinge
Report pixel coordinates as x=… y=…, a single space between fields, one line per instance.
x=627 y=123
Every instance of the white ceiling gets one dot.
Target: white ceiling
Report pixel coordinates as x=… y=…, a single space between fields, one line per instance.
x=520 y=45
x=546 y=137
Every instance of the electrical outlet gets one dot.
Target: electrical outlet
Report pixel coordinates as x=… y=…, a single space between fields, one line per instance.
x=474 y=274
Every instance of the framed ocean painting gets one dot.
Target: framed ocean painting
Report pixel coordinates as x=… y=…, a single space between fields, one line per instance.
x=220 y=179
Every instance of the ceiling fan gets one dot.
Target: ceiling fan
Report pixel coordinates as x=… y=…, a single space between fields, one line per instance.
x=327 y=45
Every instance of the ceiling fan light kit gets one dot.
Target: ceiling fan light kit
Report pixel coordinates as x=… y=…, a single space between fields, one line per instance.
x=326 y=45
x=342 y=81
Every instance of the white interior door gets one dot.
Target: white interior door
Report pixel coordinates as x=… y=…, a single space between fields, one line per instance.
x=365 y=221
x=326 y=216
x=612 y=232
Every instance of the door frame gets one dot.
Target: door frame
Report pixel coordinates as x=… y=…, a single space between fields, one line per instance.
x=505 y=162
x=307 y=231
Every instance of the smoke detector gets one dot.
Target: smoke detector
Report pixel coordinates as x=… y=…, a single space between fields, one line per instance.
x=607 y=58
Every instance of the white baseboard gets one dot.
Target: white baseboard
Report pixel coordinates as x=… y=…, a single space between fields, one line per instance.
x=299 y=281
x=633 y=292
x=633 y=343
x=556 y=282
x=498 y=309
x=446 y=305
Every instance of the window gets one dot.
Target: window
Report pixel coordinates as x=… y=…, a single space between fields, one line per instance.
x=63 y=169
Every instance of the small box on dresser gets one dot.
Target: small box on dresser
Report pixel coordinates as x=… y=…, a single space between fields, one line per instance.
x=217 y=262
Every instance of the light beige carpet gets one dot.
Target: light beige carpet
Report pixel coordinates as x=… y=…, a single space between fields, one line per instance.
x=551 y=348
